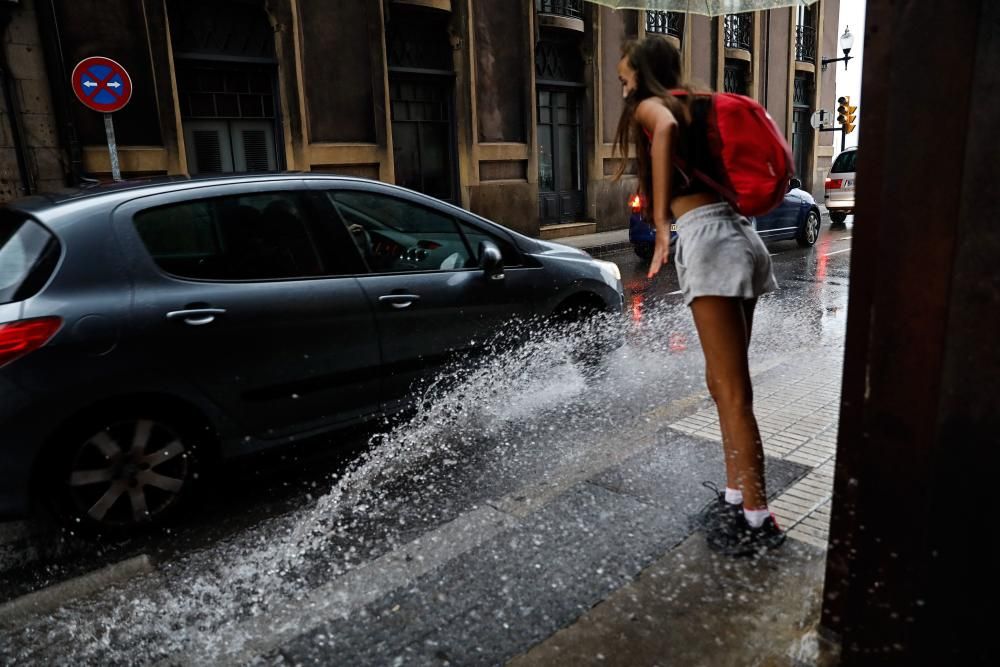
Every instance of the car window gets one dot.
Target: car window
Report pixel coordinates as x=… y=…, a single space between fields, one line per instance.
x=260 y=236
x=28 y=253
x=845 y=162
x=395 y=235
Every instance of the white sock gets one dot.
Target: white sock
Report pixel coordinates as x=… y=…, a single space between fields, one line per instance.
x=734 y=496
x=756 y=518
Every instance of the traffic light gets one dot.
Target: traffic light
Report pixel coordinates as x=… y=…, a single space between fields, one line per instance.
x=846 y=114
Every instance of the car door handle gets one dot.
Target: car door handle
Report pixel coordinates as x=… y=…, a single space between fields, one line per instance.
x=399 y=300
x=196 y=317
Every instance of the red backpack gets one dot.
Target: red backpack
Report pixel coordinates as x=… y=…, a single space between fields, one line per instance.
x=754 y=159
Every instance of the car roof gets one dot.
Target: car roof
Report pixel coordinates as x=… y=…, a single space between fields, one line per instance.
x=41 y=202
x=62 y=205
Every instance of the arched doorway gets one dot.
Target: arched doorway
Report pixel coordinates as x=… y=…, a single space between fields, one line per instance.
x=227 y=85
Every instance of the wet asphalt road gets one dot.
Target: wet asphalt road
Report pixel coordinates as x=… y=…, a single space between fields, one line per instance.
x=511 y=480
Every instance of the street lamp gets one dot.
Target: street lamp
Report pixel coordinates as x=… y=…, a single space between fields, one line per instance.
x=846 y=44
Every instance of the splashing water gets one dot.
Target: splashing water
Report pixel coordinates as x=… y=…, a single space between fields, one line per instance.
x=516 y=411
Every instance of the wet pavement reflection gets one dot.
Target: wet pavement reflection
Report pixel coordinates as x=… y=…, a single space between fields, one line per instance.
x=491 y=464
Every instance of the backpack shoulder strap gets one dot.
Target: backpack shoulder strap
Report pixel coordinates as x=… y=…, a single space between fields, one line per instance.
x=720 y=189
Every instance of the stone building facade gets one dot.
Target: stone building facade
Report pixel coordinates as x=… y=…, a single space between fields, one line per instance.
x=505 y=107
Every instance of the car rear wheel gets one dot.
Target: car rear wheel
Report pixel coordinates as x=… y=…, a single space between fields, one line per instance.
x=643 y=251
x=123 y=473
x=837 y=217
x=809 y=233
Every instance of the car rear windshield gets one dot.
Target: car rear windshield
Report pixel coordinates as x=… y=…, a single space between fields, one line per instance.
x=28 y=254
x=845 y=162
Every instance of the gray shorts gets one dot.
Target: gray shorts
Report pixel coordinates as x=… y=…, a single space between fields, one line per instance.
x=719 y=254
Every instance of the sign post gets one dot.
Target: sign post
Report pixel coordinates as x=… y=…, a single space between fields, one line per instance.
x=103 y=85
x=109 y=130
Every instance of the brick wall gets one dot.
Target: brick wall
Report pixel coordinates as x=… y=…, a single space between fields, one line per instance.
x=31 y=96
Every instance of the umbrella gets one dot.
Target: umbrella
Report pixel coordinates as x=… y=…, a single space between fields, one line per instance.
x=706 y=7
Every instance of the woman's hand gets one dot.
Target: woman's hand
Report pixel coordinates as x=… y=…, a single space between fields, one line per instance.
x=661 y=252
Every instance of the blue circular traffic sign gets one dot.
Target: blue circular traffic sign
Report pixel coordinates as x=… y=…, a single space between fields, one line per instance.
x=101 y=84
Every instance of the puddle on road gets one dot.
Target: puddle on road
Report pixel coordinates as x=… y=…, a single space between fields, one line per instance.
x=512 y=414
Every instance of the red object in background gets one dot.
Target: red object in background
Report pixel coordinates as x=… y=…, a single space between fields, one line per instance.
x=19 y=338
x=833 y=183
x=636 y=203
x=636 y=307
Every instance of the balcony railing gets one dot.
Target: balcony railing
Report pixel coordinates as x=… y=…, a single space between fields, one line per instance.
x=805 y=44
x=570 y=8
x=665 y=23
x=738 y=31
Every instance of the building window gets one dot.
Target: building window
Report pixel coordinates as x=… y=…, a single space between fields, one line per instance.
x=802 y=132
x=218 y=90
x=802 y=92
x=736 y=77
x=665 y=23
x=805 y=35
x=570 y=8
x=418 y=39
x=738 y=31
x=558 y=60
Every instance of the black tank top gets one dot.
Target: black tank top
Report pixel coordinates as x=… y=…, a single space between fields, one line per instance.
x=692 y=149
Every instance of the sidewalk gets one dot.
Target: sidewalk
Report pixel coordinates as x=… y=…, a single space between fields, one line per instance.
x=601 y=243
x=692 y=607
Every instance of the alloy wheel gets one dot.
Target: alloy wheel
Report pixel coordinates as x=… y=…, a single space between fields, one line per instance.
x=810 y=230
x=128 y=473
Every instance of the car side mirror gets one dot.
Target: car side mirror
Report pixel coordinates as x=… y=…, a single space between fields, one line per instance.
x=491 y=260
x=794 y=184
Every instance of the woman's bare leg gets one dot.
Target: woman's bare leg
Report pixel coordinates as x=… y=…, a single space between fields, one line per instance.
x=749 y=305
x=731 y=474
x=722 y=324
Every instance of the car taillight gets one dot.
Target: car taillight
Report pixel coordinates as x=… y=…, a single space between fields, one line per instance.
x=19 y=338
x=834 y=183
x=636 y=203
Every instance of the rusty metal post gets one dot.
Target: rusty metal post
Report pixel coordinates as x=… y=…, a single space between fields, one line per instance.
x=910 y=565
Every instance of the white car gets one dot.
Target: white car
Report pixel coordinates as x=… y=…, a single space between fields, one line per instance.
x=839 y=197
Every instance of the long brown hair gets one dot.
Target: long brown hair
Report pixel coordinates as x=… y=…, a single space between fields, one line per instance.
x=657 y=64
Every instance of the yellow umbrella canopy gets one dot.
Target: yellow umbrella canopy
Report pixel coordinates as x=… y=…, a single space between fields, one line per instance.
x=706 y=7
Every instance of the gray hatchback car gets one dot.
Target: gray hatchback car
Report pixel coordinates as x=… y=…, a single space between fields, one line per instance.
x=147 y=328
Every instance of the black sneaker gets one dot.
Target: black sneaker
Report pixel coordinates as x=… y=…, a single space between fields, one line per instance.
x=717 y=512
x=740 y=539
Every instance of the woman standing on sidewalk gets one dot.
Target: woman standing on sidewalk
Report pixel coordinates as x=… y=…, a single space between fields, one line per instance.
x=722 y=267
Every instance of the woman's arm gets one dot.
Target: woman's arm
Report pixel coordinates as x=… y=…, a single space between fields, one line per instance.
x=656 y=119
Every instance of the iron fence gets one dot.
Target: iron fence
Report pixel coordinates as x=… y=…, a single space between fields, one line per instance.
x=738 y=31
x=805 y=44
x=665 y=23
x=570 y=8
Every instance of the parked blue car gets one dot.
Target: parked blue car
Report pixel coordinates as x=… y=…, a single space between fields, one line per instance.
x=797 y=218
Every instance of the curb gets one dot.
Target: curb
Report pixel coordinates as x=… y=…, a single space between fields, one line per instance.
x=607 y=248
x=51 y=598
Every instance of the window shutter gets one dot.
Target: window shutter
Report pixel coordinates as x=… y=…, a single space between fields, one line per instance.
x=255 y=150
x=207 y=151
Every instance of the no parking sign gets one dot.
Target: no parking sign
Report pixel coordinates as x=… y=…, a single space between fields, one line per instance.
x=103 y=85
